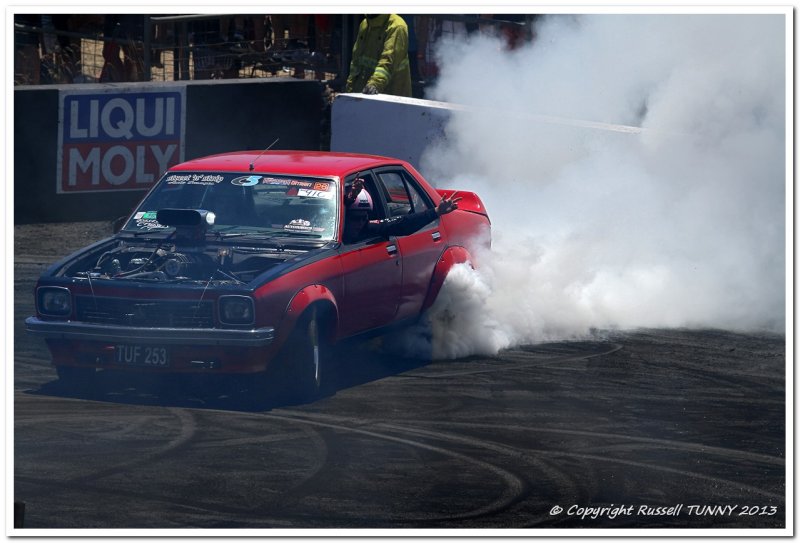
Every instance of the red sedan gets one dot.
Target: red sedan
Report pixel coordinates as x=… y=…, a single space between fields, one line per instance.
x=235 y=262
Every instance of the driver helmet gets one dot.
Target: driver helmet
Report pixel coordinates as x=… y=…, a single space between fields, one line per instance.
x=363 y=202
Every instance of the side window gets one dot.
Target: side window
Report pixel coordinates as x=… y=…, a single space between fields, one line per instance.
x=398 y=200
x=418 y=201
x=370 y=186
x=402 y=193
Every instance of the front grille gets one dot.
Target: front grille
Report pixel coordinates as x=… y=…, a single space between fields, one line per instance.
x=150 y=313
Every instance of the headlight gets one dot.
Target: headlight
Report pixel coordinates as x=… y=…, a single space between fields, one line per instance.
x=236 y=310
x=54 y=301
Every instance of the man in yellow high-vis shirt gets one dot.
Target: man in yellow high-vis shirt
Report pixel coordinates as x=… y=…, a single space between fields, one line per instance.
x=380 y=57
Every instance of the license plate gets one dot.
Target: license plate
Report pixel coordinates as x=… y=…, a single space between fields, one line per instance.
x=142 y=355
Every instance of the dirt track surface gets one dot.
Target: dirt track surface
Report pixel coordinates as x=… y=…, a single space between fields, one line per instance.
x=527 y=439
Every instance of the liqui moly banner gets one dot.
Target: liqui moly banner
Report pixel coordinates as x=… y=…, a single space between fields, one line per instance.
x=118 y=139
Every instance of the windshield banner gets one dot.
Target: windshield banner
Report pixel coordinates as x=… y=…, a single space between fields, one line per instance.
x=120 y=138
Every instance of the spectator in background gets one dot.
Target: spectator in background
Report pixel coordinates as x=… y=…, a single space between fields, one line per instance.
x=68 y=52
x=380 y=57
x=258 y=23
x=211 y=49
x=290 y=41
x=113 y=65
x=290 y=31
x=126 y=33
x=320 y=45
x=27 y=59
x=515 y=29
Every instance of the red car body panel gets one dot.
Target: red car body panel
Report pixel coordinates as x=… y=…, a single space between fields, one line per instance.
x=372 y=279
x=420 y=251
x=363 y=286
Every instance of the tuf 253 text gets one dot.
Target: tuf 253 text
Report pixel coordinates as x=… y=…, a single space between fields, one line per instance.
x=120 y=139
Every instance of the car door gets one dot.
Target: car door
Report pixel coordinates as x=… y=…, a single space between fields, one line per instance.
x=372 y=278
x=419 y=251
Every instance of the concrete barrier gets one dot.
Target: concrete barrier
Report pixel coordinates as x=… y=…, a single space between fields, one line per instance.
x=386 y=125
x=405 y=127
x=89 y=152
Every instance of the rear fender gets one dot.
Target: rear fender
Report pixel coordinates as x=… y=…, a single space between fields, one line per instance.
x=450 y=257
x=470 y=201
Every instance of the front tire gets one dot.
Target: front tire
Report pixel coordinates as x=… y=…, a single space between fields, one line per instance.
x=303 y=359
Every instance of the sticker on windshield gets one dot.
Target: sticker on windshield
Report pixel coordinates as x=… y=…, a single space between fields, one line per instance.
x=299 y=225
x=246 y=180
x=194 y=179
x=149 y=224
x=315 y=194
x=178 y=179
x=287 y=182
x=147 y=220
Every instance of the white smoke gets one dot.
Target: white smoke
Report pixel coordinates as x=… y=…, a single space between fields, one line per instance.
x=682 y=224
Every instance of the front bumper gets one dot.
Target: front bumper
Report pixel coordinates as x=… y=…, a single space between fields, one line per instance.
x=69 y=330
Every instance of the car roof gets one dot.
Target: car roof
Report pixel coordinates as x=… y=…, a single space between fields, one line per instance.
x=312 y=163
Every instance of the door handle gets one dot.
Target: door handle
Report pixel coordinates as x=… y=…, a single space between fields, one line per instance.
x=436 y=236
x=391 y=249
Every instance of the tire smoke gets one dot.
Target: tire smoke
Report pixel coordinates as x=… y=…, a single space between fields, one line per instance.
x=634 y=169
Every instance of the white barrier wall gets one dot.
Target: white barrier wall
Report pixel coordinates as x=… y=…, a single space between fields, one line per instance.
x=404 y=127
x=387 y=125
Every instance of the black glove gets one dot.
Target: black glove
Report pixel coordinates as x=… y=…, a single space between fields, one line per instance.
x=370 y=89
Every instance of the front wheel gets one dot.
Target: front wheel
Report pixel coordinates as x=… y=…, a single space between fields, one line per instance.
x=304 y=358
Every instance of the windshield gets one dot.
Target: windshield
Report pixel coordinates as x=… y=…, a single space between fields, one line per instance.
x=253 y=204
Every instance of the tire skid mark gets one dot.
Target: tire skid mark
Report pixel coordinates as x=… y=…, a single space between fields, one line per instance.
x=703 y=378
x=728 y=382
x=57 y=414
x=188 y=430
x=707 y=398
x=36 y=419
x=675 y=342
x=667 y=443
x=35 y=361
x=256 y=440
x=297 y=490
x=181 y=502
x=212 y=419
x=515 y=487
x=665 y=469
x=505 y=448
x=566 y=485
x=129 y=429
x=730 y=374
x=664 y=443
x=319 y=446
x=655 y=395
x=251 y=515
x=543 y=362
x=255 y=516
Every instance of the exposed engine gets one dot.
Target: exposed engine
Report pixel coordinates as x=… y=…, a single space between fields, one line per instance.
x=169 y=262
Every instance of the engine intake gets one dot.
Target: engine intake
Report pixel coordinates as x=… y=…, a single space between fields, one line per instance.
x=190 y=224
